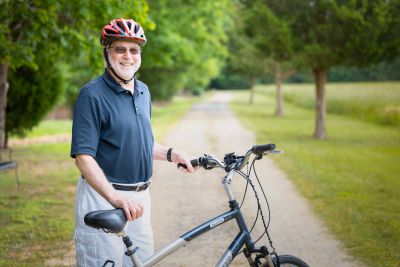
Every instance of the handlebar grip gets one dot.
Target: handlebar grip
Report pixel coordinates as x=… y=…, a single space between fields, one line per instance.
x=194 y=162
x=260 y=149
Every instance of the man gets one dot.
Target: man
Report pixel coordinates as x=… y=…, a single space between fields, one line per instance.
x=113 y=147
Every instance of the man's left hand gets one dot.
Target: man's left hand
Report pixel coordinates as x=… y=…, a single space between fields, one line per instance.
x=180 y=157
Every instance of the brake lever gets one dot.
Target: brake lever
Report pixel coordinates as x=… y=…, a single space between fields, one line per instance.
x=275 y=151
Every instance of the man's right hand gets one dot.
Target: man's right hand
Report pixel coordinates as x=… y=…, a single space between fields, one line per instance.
x=96 y=178
x=132 y=208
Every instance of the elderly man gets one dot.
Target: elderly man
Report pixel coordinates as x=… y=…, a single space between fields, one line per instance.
x=113 y=147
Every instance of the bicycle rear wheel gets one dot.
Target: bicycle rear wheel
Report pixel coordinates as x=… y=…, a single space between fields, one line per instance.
x=289 y=261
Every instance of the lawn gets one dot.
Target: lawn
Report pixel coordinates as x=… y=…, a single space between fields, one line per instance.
x=37 y=218
x=351 y=179
x=163 y=117
x=48 y=127
x=377 y=102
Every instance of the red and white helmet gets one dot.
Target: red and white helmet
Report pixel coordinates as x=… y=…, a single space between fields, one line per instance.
x=122 y=30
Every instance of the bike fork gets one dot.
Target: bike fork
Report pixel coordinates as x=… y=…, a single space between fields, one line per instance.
x=269 y=261
x=247 y=254
x=262 y=253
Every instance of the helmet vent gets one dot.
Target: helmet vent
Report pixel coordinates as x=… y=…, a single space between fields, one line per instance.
x=123 y=29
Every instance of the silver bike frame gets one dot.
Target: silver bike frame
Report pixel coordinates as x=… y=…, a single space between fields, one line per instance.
x=242 y=238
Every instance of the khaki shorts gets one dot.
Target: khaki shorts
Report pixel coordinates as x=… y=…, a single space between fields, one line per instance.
x=93 y=246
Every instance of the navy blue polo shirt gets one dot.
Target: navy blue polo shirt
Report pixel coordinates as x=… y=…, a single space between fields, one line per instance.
x=114 y=127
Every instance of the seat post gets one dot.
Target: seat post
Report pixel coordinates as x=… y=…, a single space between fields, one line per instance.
x=131 y=251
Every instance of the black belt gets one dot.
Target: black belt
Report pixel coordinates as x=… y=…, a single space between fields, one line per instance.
x=136 y=188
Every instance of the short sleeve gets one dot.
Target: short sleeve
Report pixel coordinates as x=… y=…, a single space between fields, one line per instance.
x=86 y=125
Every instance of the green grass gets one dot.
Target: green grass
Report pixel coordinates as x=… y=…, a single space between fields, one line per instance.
x=37 y=219
x=49 y=127
x=163 y=118
x=352 y=179
x=377 y=102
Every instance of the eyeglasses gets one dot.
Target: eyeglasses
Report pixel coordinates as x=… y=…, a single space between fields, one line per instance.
x=122 y=50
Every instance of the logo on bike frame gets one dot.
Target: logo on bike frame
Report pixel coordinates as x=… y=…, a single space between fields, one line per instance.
x=216 y=222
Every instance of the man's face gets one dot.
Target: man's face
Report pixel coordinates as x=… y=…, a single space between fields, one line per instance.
x=125 y=58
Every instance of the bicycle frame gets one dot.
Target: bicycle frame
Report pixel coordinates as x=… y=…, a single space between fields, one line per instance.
x=243 y=237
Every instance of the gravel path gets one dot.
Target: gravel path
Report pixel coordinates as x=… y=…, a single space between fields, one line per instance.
x=182 y=201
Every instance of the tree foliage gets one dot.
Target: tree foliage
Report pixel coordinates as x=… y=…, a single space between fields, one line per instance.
x=257 y=41
x=187 y=47
x=37 y=37
x=330 y=33
x=352 y=33
x=31 y=95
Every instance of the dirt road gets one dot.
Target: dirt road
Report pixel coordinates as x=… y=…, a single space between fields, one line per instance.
x=182 y=201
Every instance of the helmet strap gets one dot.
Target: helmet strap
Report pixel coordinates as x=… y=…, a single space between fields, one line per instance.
x=109 y=66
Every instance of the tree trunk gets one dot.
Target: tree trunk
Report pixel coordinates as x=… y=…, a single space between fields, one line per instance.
x=251 y=84
x=3 y=100
x=6 y=137
x=320 y=108
x=278 y=82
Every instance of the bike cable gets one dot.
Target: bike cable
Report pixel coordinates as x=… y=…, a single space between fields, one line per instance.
x=259 y=209
x=245 y=190
x=262 y=215
x=248 y=181
x=246 y=176
x=262 y=190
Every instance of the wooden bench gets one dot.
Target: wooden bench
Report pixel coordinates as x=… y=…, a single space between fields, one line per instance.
x=9 y=165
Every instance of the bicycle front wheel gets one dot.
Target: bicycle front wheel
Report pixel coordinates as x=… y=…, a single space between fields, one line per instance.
x=288 y=261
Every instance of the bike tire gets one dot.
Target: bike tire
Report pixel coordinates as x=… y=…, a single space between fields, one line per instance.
x=288 y=261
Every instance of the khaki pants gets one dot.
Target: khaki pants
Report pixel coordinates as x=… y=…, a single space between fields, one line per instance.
x=93 y=246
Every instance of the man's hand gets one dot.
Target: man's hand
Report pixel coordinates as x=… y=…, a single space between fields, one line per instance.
x=180 y=157
x=132 y=208
x=160 y=152
x=96 y=178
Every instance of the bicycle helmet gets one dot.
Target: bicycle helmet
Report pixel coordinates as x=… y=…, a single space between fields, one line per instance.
x=122 y=30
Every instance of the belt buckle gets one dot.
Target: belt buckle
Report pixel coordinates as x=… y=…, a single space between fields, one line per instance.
x=144 y=186
x=138 y=188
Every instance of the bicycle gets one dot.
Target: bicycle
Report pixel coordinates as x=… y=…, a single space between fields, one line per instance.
x=113 y=221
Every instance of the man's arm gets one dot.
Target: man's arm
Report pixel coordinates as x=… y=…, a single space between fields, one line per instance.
x=160 y=153
x=96 y=178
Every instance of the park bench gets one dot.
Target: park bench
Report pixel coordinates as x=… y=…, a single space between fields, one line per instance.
x=9 y=164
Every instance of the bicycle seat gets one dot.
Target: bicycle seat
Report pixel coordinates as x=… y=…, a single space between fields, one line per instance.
x=110 y=220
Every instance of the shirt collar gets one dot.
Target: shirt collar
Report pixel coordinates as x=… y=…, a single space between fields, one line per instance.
x=116 y=87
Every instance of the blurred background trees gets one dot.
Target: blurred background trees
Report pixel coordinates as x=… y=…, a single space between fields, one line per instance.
x=50 y=49
x=336 y=33
x=37 y=38
x=188 y=46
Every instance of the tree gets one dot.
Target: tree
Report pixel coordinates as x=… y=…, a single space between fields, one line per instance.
x=329 y=33
x=249 y=61
x=261 y=46
x=273 y=36
x=31 y=96
x=282 y=71
x=246 y=58
x=187 y=47
x=64 y=28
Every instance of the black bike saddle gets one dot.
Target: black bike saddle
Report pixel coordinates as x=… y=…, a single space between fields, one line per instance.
x=109 y=220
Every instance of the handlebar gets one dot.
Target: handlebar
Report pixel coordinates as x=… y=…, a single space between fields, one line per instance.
x=194 y=162
x=232 y=161
x=261 y=149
